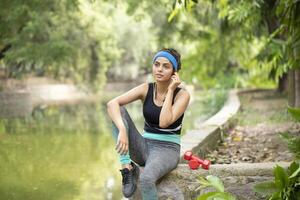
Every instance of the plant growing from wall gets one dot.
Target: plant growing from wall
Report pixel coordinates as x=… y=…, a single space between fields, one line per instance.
x=286 y=184
x=216 y=183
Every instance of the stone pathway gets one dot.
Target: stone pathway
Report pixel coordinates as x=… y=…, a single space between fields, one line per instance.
x=256 y=138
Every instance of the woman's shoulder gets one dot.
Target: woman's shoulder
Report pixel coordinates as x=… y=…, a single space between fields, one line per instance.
x=183 y=92
x=144 y=89
x=183 y=88
x=144 y=85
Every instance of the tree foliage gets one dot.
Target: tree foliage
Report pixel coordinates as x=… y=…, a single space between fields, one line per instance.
x=77 y=40
x=223 y=43
x=262 y=36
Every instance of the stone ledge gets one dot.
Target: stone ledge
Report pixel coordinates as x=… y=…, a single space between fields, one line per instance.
x=236 y=169
x=239 y=175
x=209 y=133
x=238 y=179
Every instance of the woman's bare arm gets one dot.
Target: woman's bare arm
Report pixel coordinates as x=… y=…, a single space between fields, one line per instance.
x=170 y=113
x=113 y=110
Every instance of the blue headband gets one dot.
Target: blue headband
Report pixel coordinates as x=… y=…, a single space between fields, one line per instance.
x=167 y=55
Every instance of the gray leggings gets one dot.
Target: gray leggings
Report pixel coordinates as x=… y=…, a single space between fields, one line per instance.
x=158 y=157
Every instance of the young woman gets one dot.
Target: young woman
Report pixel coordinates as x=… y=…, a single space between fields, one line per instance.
x=158 y=148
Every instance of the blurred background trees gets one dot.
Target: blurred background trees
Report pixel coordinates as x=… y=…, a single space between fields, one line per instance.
x=76 y=40
x=224 y=44
x=264 y=39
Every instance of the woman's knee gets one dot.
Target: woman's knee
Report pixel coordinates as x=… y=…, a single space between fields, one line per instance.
x=125 y=116
x=123 y=110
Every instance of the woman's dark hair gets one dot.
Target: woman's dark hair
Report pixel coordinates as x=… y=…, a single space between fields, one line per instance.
x=175 y=54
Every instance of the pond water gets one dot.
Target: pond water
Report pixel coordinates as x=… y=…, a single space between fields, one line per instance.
x=67 y=152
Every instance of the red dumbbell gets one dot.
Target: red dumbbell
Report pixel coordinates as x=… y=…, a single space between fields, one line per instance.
x=195 y=162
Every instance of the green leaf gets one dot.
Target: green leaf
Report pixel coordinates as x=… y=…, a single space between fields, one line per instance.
x=281 y=177
x=203 y=181
x=265 y=188
x=297 y=195
x=223 y=196
x=286 y=136
x=295 y=173
x=173 y=14
x=295 y=112
x=216 y=182
x=207 y=196
x=293 y=167
x=293 y=143
x=276 y=196
x=216 y=196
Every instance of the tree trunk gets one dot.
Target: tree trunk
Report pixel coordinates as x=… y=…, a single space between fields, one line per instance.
x=4 y=50
x=95 y=64
x=294 y=88
x=283 y=83
x=291 y=93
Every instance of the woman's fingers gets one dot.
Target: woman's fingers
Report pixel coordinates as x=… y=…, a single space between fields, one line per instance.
x=118 y=148
x=122 y=148
x=177 y=75
x=122 y=144
x=125 y=150
x=175 y=79
x=117 y=145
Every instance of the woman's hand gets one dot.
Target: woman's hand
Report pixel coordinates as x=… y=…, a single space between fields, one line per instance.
x=122 y=143
x=175 y=81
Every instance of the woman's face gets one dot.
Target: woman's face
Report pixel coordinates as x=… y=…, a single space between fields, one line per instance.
x=162 y=69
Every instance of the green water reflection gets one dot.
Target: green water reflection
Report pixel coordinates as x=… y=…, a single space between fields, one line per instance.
x=58 y=153
x=67 y=152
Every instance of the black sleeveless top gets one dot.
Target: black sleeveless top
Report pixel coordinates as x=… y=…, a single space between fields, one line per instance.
x=151 y=114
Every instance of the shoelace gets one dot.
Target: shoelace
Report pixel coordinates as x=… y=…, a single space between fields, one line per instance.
x=126 y=177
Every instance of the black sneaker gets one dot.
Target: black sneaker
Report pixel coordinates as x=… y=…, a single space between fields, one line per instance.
x=129 y=180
